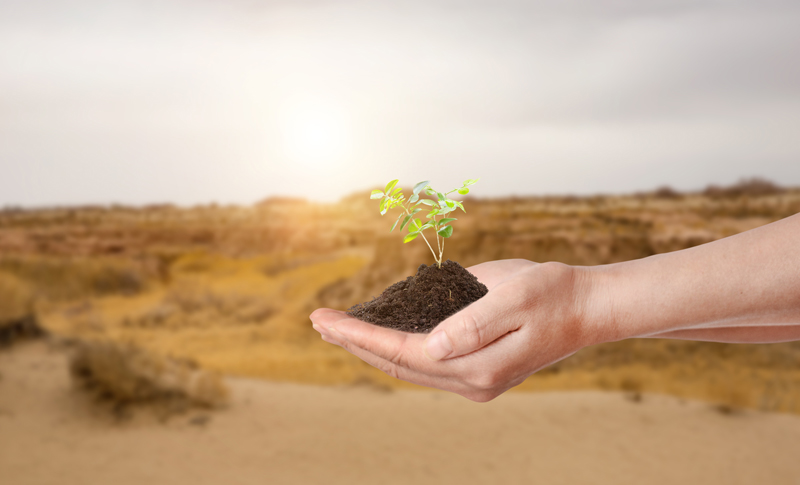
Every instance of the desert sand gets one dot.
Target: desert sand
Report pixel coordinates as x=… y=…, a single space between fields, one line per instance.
x=291 y=433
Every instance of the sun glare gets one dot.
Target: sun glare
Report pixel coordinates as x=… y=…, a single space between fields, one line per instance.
x=315 y=133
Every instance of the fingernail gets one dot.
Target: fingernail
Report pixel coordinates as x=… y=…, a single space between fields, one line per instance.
x=320 y=329
x=438 y=346
x=331 y=340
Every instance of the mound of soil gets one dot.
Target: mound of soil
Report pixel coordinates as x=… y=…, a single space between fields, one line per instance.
x=422 y=301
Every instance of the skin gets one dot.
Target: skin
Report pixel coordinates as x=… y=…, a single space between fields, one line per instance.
x=741 y=289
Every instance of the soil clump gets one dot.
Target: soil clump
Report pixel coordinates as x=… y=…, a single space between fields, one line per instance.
x=420 y=302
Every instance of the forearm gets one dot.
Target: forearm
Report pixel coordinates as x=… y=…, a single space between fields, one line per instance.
x=713 y=291
x=737 y=335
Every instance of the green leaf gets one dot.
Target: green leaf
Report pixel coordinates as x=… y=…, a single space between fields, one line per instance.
x=441 y=196
x=376 y=194
x=446 y=231
x=419 y=187
x=450 y=203
x=410 y=237
x=460 y=206
x=430 y=191
x=413 y=198
x=405 y=221
x=395 y=223
x=446 y=220
x=427 y=225
x=396 y=191
x=416 y=210
x=463 y=191
x=432 y=213
x=428 y=202
x=417 y=224
x=470 y=182
x=390 y=186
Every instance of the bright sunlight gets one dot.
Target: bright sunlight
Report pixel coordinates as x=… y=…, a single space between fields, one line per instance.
x=315 y=132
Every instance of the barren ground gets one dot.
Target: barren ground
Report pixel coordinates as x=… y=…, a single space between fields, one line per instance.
x=283 y=433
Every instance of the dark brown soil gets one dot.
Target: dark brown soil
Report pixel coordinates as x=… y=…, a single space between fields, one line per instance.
x=422 y=301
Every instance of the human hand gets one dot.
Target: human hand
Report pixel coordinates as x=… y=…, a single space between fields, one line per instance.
x=532 y=317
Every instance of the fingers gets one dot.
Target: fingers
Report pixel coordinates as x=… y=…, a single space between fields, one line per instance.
x=476 y=326
x=398 y=372
x=470 y=376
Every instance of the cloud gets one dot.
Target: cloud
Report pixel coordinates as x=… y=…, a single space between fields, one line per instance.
x=178 y=100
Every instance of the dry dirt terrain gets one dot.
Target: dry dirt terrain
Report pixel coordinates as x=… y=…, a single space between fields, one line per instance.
x=283 y=433
x=231 y=287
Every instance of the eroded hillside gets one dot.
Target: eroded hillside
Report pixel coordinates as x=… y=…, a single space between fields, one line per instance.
x=231 y=287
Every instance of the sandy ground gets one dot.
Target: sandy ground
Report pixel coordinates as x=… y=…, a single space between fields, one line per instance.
x=292 y=434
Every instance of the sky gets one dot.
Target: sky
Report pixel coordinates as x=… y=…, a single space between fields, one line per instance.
x=197 y=101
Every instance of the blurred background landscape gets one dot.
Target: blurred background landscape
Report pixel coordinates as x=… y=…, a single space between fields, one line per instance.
x=183 y=182
x=231 y=287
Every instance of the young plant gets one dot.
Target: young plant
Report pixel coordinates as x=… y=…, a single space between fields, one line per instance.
x=438 y=209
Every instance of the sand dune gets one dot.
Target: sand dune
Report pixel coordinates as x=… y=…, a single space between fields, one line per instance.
x=290 y=433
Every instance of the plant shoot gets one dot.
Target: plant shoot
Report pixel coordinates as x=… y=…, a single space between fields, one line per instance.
x=438 y=209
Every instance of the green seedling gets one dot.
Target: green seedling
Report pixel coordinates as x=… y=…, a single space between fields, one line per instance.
x=438 y=209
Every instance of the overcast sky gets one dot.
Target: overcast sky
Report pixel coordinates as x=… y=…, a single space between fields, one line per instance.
x=198 y=101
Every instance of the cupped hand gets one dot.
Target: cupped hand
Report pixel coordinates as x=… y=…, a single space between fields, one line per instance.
x=531 y=317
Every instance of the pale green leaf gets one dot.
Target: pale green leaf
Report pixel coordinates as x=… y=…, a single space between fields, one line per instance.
x=428 y=202
x=395 y=223
x=405 y=221
x=390 y=186
x=446 y=220
x=413 y=198
x=396 y=191
x=441 y=196
x=376 y=194
x=410 y=237
x=419 y=187
x=463 y=191
x=470 y=182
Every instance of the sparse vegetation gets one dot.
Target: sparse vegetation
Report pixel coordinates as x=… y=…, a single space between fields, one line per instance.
x=17 y=316
x=126 y=375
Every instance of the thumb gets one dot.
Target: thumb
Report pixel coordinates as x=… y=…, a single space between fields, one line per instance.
x=471 y=329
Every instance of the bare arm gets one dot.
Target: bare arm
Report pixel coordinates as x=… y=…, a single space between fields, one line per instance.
x=745 y=288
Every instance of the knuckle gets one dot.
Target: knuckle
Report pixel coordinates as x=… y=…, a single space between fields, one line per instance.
x=483 y=381
x=399 y=356
x=471 y=332
x=389 y=369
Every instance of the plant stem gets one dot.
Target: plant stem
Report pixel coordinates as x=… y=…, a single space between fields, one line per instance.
x=411 y=221
x=438 y=244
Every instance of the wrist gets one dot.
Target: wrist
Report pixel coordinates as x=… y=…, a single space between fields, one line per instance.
x=598 y=315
